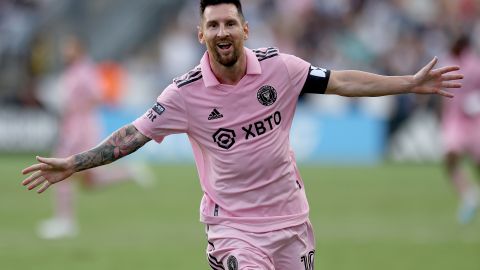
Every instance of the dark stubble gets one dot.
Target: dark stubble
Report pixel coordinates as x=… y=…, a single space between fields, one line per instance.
x=227 y=61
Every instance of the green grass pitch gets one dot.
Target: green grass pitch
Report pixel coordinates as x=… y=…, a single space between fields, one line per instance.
x=385 y=217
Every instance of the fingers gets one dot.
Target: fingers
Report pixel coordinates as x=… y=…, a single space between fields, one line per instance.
x=445 y=94
x=45 y=164
x=37 y=182
x=51 y=168
x=446 y=69
x=452 y=77
x=45 y=186
x=52 y=162
x=36 y=167
x=451 y=85
x=30 y=169
x=432 y=63
x=434 y=90
x=31 y=178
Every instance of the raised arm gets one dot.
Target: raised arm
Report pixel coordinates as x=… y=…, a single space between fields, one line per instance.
x=49 y=171
x=427 y=80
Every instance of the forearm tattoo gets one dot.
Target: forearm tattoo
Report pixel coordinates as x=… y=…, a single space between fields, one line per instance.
x=122 y=142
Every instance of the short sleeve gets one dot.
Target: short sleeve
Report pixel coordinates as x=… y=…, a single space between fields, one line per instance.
x=305 y=77
x=167 y=116
x=297 y=70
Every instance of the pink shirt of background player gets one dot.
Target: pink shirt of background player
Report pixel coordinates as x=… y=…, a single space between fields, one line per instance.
x=240 y=139
x=461 y=128
x=79 y=127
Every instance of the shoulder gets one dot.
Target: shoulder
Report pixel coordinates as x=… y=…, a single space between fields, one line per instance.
x=191 y=76
x=266 y=53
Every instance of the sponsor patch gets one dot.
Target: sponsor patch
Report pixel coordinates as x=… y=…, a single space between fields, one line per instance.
x=225 y=138
x=318 y=72
x=158 y=108
x=267 y=95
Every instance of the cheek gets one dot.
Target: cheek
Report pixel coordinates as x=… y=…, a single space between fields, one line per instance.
x=209 y=37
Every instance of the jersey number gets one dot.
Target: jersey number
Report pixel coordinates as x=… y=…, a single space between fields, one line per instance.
x=309 y=260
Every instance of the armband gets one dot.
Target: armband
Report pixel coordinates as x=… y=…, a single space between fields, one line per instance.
x=317 y=81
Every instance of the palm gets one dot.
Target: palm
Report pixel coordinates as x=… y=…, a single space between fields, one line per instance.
x=434 y=81
x=47 y=172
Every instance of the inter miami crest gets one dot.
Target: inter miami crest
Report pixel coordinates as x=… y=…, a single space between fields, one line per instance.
x=225 y=138
x=267 y=95
x=232 y=263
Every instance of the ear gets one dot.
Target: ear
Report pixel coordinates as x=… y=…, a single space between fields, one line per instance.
x=200 y=36
x=246 y=30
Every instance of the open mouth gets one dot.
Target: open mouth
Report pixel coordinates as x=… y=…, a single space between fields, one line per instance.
x=224 y=46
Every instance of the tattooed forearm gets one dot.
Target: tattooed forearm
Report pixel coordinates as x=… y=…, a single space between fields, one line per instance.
x=122 y=142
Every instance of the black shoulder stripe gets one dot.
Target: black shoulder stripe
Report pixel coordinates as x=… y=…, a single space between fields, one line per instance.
x=214 y=263
x=189 y=77
x=259 y=53
x=191 y=80
x=265 y=54
x=264 y=50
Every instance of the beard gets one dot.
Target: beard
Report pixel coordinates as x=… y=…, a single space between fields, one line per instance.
x=226 y=60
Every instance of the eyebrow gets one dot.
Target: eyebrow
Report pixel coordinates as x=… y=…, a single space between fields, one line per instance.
x=226 y=20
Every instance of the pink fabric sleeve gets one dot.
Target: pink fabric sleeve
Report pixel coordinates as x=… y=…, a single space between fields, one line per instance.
x=297 y=70
x=167 y=116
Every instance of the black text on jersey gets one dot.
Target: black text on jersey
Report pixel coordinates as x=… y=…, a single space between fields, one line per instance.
x=261 y=127
x=151 y=115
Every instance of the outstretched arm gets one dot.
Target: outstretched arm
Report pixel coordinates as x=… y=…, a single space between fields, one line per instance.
x=427 y=80
x=49 y=171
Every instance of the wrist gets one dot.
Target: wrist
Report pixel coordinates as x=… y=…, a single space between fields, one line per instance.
x=410 y=83
x=71 y=164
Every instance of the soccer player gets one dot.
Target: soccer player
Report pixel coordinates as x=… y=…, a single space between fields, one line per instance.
x=461 y=128
x=80 y=129
x=237 y=108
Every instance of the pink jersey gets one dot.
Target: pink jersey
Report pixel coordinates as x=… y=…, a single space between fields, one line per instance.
x=461 y=114
x=240 y=139
x=80 y=126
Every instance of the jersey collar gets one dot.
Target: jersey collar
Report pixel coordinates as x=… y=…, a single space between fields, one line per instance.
x=209 y=79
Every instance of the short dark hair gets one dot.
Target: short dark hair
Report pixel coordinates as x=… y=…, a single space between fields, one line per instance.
x=205 y=3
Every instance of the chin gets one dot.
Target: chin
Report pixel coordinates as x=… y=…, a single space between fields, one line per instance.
x=228 y=62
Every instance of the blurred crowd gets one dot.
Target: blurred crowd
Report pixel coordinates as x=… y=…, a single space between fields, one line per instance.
x=394 y=37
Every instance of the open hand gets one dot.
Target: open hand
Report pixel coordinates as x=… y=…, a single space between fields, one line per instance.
x=47 y=172
x=433 y=81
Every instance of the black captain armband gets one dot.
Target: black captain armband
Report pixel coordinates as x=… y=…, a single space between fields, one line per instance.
x=317 y=81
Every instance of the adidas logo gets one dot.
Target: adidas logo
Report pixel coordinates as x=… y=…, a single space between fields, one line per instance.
x=215 y=114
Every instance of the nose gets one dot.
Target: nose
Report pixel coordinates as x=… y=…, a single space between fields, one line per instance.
x=222 y=31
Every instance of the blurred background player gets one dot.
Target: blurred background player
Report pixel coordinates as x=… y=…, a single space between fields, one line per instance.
x=80 y=128
x=461 y=127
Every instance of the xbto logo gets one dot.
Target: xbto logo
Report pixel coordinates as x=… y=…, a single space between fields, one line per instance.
x=261 y=127
x=225 y=138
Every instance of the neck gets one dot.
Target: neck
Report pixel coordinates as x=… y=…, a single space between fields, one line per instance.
x=230 y=75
